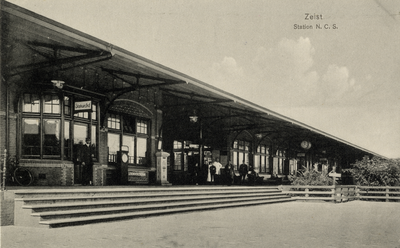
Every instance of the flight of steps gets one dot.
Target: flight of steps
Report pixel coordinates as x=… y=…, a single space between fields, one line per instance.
x=68 y=207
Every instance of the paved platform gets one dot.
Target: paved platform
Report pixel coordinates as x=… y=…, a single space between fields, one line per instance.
x=294 y=224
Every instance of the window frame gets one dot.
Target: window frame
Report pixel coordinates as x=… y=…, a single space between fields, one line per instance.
x=120 y=129
x=241 y=149
x=63 y=115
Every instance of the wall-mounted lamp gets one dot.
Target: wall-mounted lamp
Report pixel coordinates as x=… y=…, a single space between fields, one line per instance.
x=193 y=117
x=58 y=83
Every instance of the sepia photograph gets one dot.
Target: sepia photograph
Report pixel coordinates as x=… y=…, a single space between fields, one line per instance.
x=200 y=123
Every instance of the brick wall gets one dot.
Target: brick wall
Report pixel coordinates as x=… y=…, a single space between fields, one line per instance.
x=50 y=173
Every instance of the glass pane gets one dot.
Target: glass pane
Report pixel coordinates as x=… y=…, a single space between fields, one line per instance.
x=257 y=161
x=178 y=161
x=114 y=121
x=113 y=147
x=93 y=140
x=129 y=141
x=234 y=159
x=142 y=127
x=67 y=106
x=262 y=164
x=185 y=162
x=51 y=104
x=94 y=111
x=241 y=145
x=31 y=103
x=51 y=137
x=141 y=151
x=275 y=166
x=31 y=137
x=241 y=157
x=82 y=115
x=80 y=133
x=67 y=141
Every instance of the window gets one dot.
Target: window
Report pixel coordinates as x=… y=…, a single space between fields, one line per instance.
x=180 y=156
x=261 y=159
x=114 y=121
x=31 y=103
x=51 y=137
x=113 y=146
x=240 y=153
x=51 y=104
x=142 y=127
x=31 y=137
x=133 y=135
x=67 y=106
x=278 y=161
x=45 y=135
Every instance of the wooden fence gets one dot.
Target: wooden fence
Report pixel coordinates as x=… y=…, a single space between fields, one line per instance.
x=370 y=193
x=342 y=193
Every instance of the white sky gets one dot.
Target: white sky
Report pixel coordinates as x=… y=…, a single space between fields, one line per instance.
x=344 y=81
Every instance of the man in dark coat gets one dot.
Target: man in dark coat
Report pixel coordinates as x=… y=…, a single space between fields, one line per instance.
x=213 y=170
x=243 y=170
x=84 y=157
x=252 y=175
x=229 y=173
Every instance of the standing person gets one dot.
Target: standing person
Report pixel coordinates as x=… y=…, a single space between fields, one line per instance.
x=213 y=170
x=84 y=157
x=243 y=170
x=229 y=173
x=218 y=167
x=251 y=175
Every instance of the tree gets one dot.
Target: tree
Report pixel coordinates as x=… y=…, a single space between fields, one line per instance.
x=375 y=172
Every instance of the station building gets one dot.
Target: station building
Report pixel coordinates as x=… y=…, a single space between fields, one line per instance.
x=60 y=86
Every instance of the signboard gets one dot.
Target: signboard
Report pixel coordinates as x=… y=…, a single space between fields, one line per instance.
x=138 y=177
x=301 y=154
x=83 y=106
x=333 y=174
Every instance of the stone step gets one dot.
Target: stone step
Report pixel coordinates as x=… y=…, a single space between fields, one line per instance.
x=63 y=207
x=60 y=206
x=118 y=209
x=92 y=191
x=57 y=199
x=125 y=216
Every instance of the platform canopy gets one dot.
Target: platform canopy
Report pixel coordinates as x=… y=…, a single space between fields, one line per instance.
x=61 y=50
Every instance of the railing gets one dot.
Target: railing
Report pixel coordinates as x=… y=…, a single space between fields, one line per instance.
x=342 y=193
x=310 y=193
x=374 y=193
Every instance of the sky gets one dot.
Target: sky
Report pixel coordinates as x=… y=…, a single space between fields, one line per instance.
x=333 y=65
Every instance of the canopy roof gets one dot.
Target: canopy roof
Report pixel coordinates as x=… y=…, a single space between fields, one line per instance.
x=64 y=48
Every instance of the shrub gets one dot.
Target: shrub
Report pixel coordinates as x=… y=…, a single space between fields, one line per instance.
x=310 y=177
x=375 y=172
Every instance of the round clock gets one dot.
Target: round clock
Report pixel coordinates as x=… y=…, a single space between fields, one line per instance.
x=305 y=145
x=124 y=158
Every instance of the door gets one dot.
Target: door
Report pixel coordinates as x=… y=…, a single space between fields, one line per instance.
x=80 y=135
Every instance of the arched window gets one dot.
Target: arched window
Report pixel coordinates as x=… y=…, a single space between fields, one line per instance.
x=261 y=159
x=130 y=132
x=240 y=153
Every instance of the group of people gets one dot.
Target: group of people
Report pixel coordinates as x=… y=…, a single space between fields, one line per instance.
x=229 y=172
